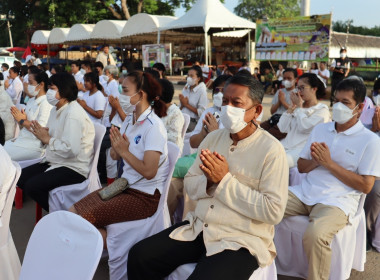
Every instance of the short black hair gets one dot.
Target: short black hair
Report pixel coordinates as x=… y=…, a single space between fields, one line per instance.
x=86 y=63
x=356 y=85
x=45 y=66
x=2 y=132
x=154 y=73
x=33 y=69
x=294 y=71
x=5 y=65
x=99 y=64
x=42 y=77
x=58 y=68
x=220 y=80
x=256 y=89
x=376 y=85
x=232 y=69
x=66 y=85
x=76 y=62
x=244 y=72
x=167 y=90
x=93 y=78
x=198 y=70
x=159 y=66
x=15 y=69
x=24 y=70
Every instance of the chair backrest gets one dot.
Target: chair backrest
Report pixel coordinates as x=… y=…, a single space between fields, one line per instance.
x=100 y=130
x=185 y=124
x=7 y=195
x=63 y=246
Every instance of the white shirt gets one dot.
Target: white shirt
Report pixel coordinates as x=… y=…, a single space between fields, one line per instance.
x=48 y=73
x=206 y=69
x=79 y=77
x=212 y=110
x=197 y=98
x=26 y=79
x=325 y=73
x=5 y=113
x=72 y=142
x=37 y=109
x=173 y=123
x=282 y=109
x=111 y=88
x=6 y=74
x=299 y=125
x=37 y=61
x=279 y=74
x=147 y=134
x=102 y=81
x=7 y=174
x=349 y=150
x=96 y=101
x=102 y=57
x=15 y=90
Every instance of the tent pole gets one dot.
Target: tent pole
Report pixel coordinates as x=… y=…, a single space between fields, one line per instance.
x=48 y=55
x=158 y=36
x=121 y=50
x=206 y=48
x=249 y=46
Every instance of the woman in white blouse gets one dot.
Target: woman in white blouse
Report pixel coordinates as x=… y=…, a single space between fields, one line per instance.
x=26 y=146
x=5 y=112
x=69 y=139
x=13 y=85
x=300 y=119
x=194 y=96
x=174 y=119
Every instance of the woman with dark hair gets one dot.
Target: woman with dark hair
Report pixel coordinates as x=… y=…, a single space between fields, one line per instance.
x=174 y=120
x=93 y=101
x=142 y=145
x=305 y=113
x=26 y=146
x=161 y=69
x=314 y=68
x=13 y=85
x=5 y=112
x=69 y=139
x=194 y=96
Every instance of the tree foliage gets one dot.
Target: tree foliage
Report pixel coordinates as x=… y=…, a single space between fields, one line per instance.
x=341 y=26
x=256 y=9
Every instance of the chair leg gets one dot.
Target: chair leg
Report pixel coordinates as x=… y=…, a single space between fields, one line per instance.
x=18 y=198
x=38 y=212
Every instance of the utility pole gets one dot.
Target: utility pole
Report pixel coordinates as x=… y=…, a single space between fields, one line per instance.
x=8 y=18
x=305 y=8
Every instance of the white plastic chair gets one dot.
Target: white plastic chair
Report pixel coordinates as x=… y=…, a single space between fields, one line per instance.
x=348 y=246
x=185 y=124
x=9 y=261
x=262 y=273
x=376 y=238
x=62 y=246
x=122 y=236
x=62 y=198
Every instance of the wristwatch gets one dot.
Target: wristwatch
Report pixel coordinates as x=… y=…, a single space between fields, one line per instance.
x=21 y=122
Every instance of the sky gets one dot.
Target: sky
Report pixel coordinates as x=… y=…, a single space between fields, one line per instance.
x=363 y=12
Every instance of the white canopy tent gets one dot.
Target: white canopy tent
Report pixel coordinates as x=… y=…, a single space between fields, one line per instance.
x=146 y=24
x=58 y=36
x=107 y=31
x=79 y=33
x=40 y=37
x=209 y=16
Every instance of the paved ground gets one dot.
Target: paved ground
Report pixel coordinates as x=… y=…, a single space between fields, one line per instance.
x=22 y=223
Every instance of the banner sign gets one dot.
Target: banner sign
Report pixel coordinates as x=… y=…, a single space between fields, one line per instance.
x=298 y=38
x=157 y=53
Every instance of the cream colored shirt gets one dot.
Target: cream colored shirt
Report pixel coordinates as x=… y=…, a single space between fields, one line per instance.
x=102 y=57
x=7 y=173
x=247 y=202
x=5 y=113
x=72 y=139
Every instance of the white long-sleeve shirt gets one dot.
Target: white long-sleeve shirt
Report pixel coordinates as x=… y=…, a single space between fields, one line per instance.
x=15 y=90
x=5 y=114
x=7 y=173
x=197 y=98
x=299 y=125
x=72 y=139
x=174 y=123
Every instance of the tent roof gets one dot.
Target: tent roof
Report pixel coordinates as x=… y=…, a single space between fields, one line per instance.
x=234 y=34
x=107 y=31
x=40 y=37
x=58 y=35
x=210 y=14
x=145 y=23
x=358 y=46
x=79 y=32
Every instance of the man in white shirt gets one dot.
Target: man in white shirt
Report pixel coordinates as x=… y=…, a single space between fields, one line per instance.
x=340 y=167
x=205 y=70
x=105 y=57
x=323 y=72
x=78 y=76
x=5 y=70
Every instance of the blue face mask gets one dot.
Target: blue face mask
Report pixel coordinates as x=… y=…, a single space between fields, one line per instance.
x=120 y=89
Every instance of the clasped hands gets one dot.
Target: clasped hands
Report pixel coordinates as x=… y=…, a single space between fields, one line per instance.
x=214 y=166
x=320 y=154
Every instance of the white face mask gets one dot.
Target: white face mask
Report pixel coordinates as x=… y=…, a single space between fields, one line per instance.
x=341 y=113
x=125 y=103
x=287 y=84
x=343 y=55
x=82 y=71
x=32 y=90
x=124 y=71
x=106 y=78
x=190 y=81
x=376 y=99
x=218 y=99
x=50 y=96
x=233 y=118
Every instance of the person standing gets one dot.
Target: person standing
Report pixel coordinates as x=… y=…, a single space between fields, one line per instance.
x=323 y=72
x=340 y=68
x=105 y=57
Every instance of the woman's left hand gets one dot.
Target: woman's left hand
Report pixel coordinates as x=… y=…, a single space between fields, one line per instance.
x=82 y=102
x=184 y=100
x=120 y=143
x=17 y=115
x=296 y=99
x=42 y=133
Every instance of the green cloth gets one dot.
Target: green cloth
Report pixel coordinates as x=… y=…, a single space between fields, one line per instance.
x=183 y=165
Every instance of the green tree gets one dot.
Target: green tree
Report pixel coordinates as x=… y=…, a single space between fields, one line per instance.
x=341 y=26
x=256 y=9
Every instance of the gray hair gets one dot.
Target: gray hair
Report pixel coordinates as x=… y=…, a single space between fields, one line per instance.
x=256 y=89
x=113 y=70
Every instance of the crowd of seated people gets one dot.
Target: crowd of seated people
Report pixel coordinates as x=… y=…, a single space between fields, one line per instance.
x=236 y=185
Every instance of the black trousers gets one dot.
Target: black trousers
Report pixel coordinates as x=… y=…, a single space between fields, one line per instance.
x=159 y=255
x=37 y=183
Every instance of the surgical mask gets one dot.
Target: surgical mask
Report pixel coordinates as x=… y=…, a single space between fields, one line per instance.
x=376 y=98
x=120 y=88
x=341 y=113
x=50 y=96
x=106 y=78
x=294 y=66
x=218 y=99
x=233 y=118
x=83 y=71
x=125 y=103
x=190 y=81
x=256 y=71
x=287 y=84
x=124 y=71
x=32 y=90
x=343 y=55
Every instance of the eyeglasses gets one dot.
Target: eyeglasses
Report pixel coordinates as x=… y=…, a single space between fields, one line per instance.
x=219 y=89
x=302 y=88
